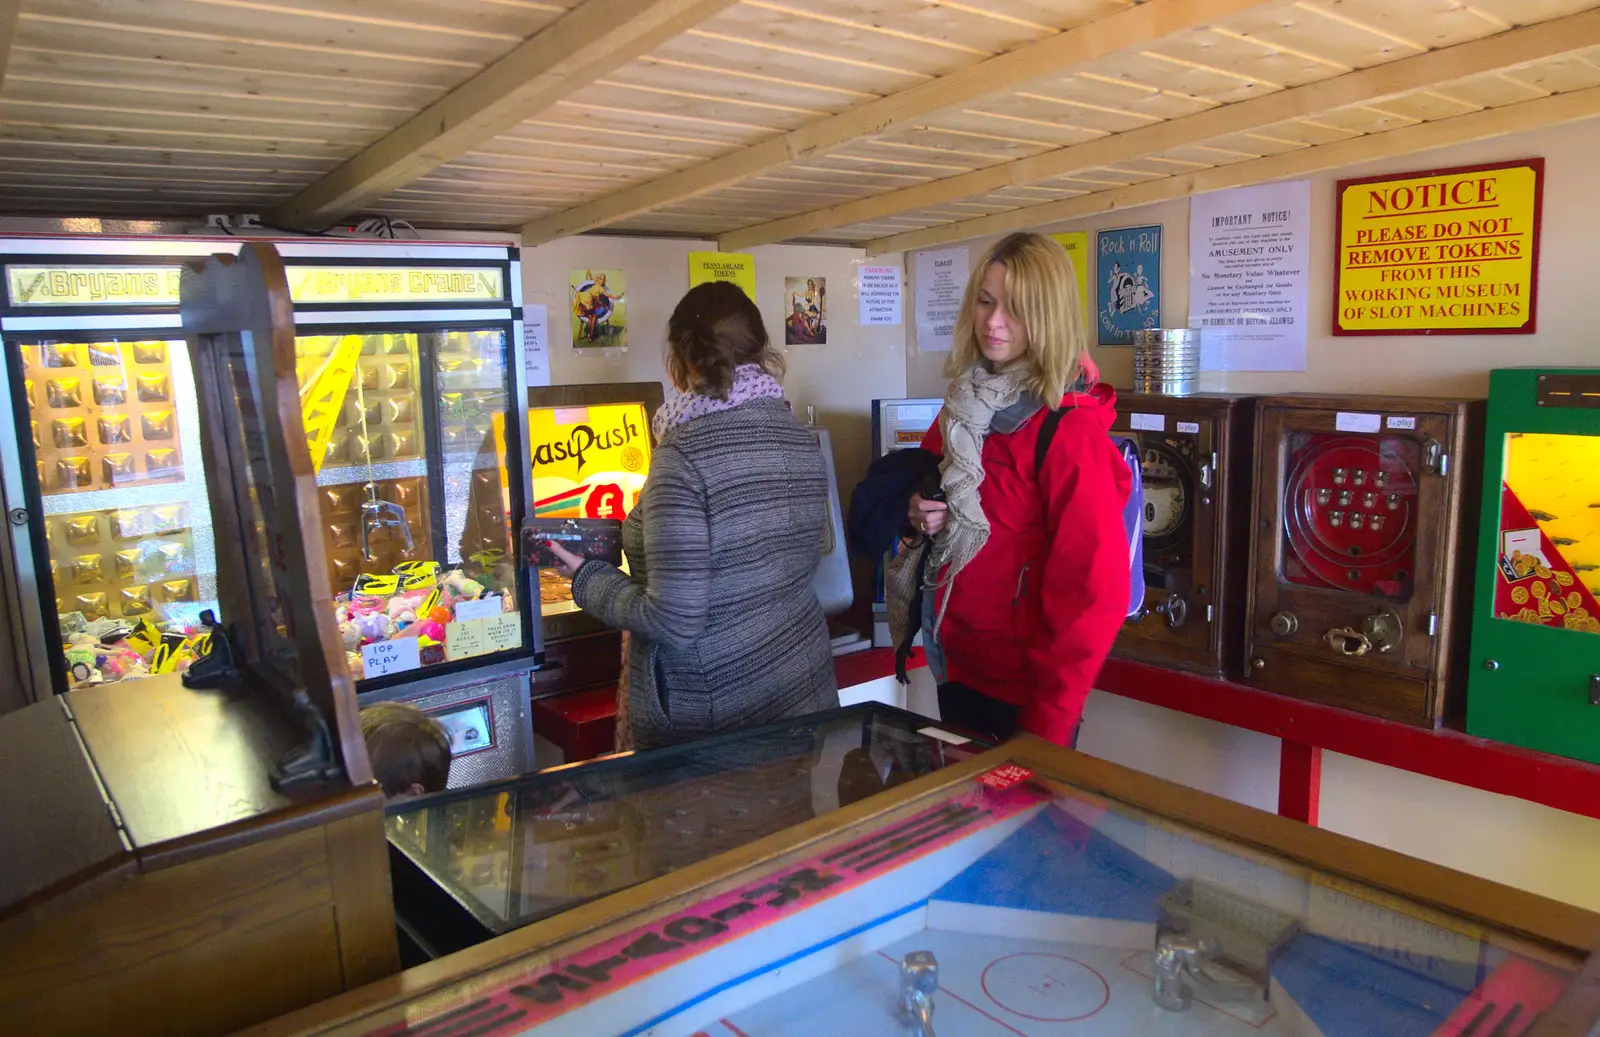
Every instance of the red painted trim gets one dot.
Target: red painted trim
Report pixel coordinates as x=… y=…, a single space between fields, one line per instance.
x=1299 y=781
x=1529 y=328
x=1478 y=763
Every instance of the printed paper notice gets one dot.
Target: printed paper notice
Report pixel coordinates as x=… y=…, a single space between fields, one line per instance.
x=1249 y=267
x=463 y=640
x=941 y=280
x=738 y=267
x=536 y=344
x=382 y=658
x=879 y=293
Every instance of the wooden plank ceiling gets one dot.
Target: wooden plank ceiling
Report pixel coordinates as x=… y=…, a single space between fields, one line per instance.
x=890 y=123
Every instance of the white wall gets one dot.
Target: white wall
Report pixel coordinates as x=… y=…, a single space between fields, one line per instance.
x=1533 y=847
x=839 y=378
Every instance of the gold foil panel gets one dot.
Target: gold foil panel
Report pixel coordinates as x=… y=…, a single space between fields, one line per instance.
x=134 y=601
x=82 y=529
x=61 y=354
x=62 y=393
x=104 y=354
x=150 y=352
x=162 y=462
x=115 y=429
x=117 y=469
x=110 y=392
x=88 y=569
x=169 y=591
x=127 y=562
x=72 y=473
x=92 y=605
x=68 y=433
x=153 y=388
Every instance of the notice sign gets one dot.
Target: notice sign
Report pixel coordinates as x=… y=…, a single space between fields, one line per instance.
x=878 y=291
x=941 y=281
x=1249 y=265
x=738 y=267
x=1450 y=250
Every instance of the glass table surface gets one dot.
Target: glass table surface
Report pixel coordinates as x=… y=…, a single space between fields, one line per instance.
x=519 y=851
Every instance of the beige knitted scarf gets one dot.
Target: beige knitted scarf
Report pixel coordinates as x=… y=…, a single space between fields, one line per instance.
x=969 y=407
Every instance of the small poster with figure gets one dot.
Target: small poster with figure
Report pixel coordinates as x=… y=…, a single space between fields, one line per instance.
x=599 y=305
x=805 y=311
x=1128 y=292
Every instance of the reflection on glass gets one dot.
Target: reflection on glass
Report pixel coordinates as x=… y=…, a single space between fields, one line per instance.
x=552 y=841
x=1350 y=512
x=418 y=541
x=1549 y=558
x=114 y=429
x=589 y=462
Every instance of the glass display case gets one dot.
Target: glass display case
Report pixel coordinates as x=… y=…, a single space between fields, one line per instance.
x=1535 y=673
x=473 y=865
x=1029 y=891
x=100 y=458
x=407 y=431
x=407 y=369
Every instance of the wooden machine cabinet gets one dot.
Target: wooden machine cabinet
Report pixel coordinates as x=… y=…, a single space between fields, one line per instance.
x=1362 y=523
x=1195 y=454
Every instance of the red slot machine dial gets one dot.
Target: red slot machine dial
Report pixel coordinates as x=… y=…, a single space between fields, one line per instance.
x=1350 y=515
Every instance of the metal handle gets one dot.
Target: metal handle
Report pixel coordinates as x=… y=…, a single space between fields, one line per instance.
x=1175 y=608
x=1207 y=472
x=1348 y=641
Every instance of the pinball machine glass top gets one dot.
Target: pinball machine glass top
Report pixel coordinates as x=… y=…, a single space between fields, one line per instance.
x=519 y=852
x=1049 y=909
x=1350 y=512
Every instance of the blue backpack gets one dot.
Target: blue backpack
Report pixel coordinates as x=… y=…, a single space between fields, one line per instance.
x=1132 y=512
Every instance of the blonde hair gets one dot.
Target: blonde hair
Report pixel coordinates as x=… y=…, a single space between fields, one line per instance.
x=1041 y=293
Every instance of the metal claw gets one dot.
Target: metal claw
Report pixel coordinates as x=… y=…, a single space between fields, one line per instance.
x=381 y=514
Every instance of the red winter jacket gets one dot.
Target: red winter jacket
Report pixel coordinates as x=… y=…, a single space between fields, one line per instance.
x=1033 y=616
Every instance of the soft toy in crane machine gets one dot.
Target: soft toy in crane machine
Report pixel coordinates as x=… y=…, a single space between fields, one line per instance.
x=1535 y=661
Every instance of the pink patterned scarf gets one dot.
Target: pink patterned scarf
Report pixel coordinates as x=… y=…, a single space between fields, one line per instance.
x=750 y=382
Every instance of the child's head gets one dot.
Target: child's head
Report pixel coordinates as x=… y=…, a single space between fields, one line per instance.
x=410 y=750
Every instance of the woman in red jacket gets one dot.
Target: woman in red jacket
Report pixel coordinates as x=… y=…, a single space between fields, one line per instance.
x=1029 y=571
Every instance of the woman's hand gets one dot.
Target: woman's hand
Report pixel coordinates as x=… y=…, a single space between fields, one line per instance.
x=926 y=516
x=567 y=563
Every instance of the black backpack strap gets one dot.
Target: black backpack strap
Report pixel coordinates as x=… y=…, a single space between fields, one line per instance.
x=1047 y=432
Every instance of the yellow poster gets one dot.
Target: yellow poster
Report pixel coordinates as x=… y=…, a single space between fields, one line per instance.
x=1076 y=242
x=588 y=462
x=738 y=267
x=1452 y=250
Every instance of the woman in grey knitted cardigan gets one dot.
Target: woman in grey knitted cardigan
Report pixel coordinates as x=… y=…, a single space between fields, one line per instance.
x=723 y=544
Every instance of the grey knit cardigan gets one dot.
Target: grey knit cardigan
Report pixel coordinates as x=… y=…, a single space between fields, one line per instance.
x=722 y=548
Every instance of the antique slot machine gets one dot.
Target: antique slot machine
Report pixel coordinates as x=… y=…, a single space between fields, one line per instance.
x=1195 y=456
x=1534 y=672
x=1359 y=567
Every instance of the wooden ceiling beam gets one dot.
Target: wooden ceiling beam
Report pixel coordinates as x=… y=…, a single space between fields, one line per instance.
x=1518 y=46
x=1461 y=129
x=594 y=38
x=8 y=32
x=1131 y=27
